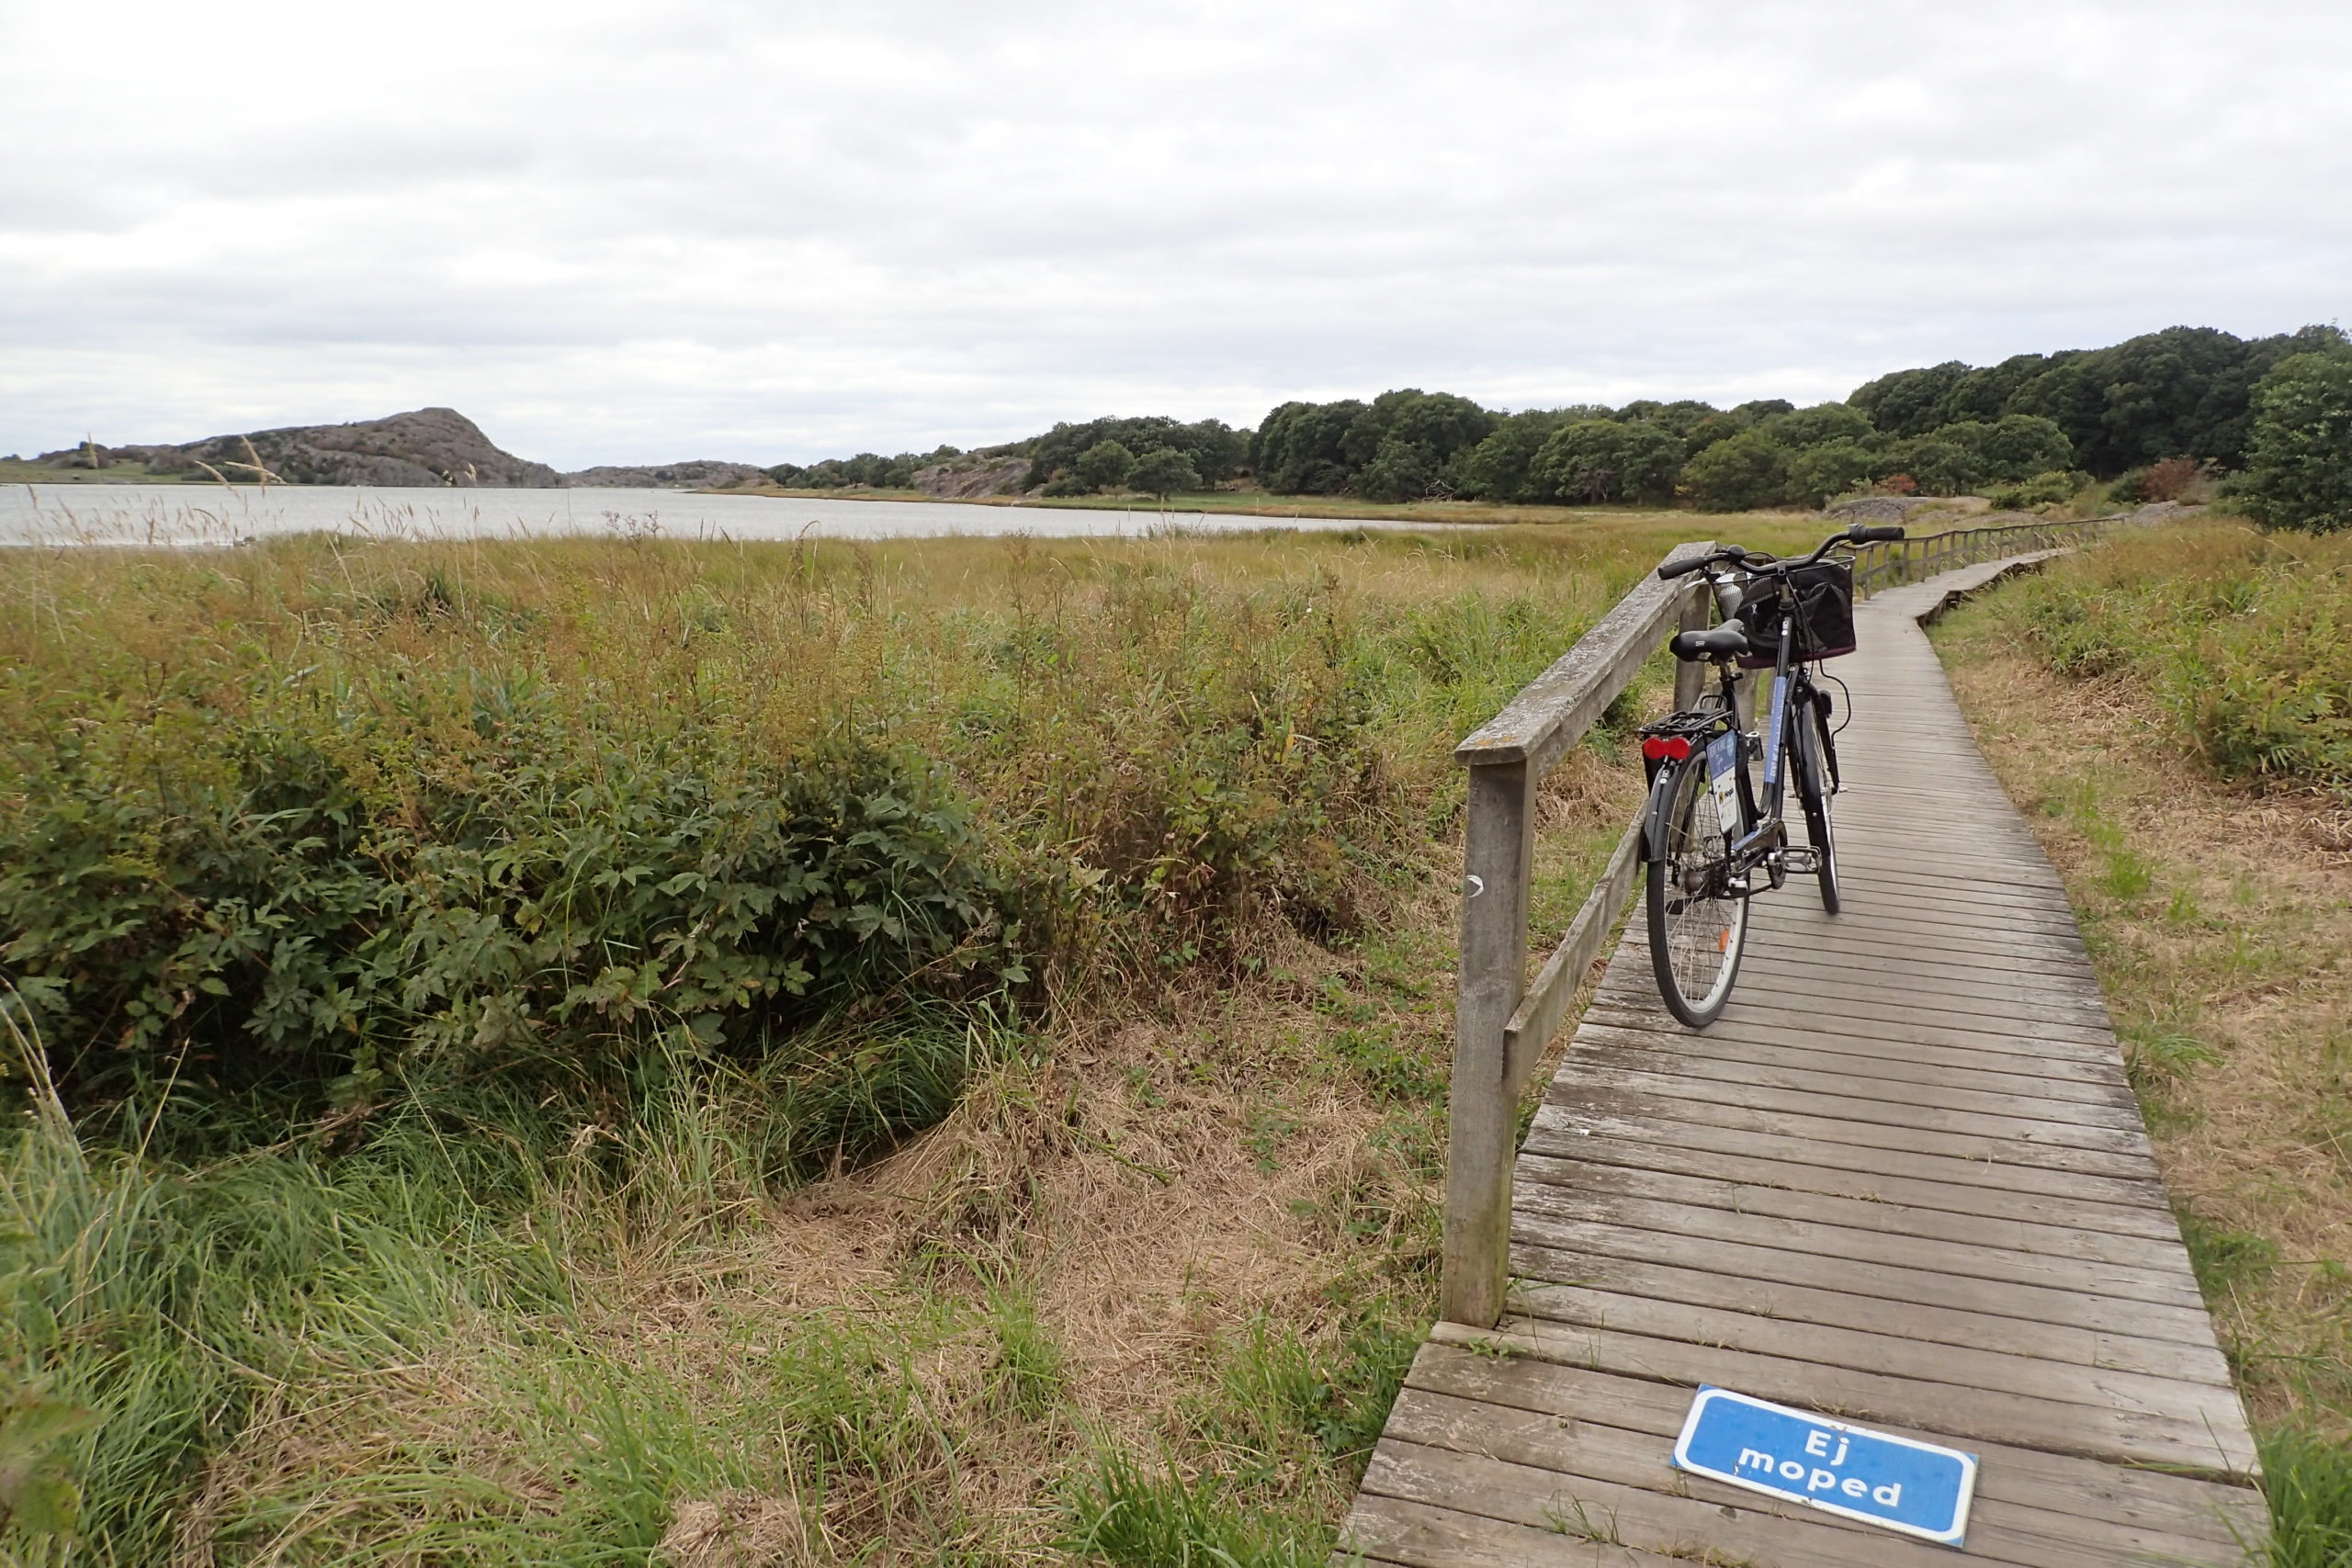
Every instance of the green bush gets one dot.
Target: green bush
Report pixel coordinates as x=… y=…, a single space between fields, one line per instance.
x=1601 y=460
x=2299 y=471
x=2244 y=638
x=2054 y=487
x=1739 y=474
x=260 y=901
x=321 y=819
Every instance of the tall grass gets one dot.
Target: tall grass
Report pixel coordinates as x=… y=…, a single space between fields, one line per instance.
x=424 y=940
x=2242 y=638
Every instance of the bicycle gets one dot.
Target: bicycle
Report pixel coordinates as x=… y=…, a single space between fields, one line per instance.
x=1708 y=839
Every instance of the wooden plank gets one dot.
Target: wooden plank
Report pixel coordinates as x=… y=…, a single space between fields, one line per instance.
x=1629 y=1007
x=1756 y=1245
x=1796 y=953
x=1636 y=1460
x=2049 y=970
x=1931 y=1066
x=1615 y=1062
x=1560 y=1126
x=1911 y=1337
x=1614 y=1515
x=1617 y=1105
x=2083 y=1493
x=2095 y=1227
x=1866 y=1121
x=1591 y=1182
x=2140 y=1437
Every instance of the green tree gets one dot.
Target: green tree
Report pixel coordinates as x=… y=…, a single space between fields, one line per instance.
x=1909 y=402
x=1939 y=465
x=1104 y=465
x=1300 y=448
x=1399 y=470
x=1501 y=467
x=1676 y=418
x=2299 y=470
x=1739 y=474
x=1801 y=428
x=1164 y=471
x=1831 y=469
x=2013 y=448
x=1712 y=427
x=1600 y=460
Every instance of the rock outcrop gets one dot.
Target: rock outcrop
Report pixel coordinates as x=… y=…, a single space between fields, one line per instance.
x=428 y=446
x=707 y=473
x=968 y=479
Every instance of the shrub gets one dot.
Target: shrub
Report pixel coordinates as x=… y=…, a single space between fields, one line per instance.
x=2170 y=479
x=1601 y=460
x=1937 y=466
x=2299 y=471
x=1833 y=468
x=1104 y=465
x=288 y=822
x=265 y=902
x=2242 y=638
x=1739 y=474
x=2044 y=489
x=1163 y=471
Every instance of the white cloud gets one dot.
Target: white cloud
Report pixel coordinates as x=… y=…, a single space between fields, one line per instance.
x=616 y=231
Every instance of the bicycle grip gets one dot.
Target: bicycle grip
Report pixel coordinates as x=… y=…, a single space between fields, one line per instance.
x=1675 y=568
x=1865 y=532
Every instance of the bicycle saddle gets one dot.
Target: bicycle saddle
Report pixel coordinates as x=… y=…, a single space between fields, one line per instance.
x=1725 y=641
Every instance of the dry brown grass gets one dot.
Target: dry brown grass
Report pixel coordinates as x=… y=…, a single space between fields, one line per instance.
x=2219 y=919
x=1154 y=1185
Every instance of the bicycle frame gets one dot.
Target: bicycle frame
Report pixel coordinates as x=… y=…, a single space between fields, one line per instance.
x=1763 y=801
x=1752 y=846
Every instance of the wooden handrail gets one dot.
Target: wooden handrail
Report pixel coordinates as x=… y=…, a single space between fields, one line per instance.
x=1508 y=758
x=1501 y=1023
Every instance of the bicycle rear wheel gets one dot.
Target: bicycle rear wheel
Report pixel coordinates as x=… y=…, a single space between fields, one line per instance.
x=1697 y=927
x=1813 y=794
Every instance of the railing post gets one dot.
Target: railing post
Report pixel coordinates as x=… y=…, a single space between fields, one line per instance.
x=1690 y=675
x=1498 y=854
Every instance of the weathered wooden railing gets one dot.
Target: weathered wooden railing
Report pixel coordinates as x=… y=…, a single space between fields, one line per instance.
x=1502 y=1023
x=1889 y=562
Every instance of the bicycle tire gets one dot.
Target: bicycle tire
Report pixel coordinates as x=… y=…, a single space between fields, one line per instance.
x=1696 y=942
x=1813 y=795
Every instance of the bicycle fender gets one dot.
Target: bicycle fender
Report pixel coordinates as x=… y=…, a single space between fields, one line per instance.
x=1654 y=810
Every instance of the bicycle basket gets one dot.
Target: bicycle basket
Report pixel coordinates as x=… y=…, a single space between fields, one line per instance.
x=1824 y=596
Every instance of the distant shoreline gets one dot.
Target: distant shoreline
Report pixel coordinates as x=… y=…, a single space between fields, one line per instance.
x=1245 y=503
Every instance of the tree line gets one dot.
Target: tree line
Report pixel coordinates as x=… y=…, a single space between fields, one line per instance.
x=2040 y=426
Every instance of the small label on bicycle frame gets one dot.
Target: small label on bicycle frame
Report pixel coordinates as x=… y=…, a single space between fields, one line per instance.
x=1723 y=771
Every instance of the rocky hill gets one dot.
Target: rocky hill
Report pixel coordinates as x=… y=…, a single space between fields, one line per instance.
x=707 y=473
x=428 y=446
x=968 y=479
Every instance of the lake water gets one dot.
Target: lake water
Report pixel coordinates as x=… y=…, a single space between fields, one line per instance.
x=216 y=515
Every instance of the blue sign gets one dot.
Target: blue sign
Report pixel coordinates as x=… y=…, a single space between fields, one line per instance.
x=1917 y=1488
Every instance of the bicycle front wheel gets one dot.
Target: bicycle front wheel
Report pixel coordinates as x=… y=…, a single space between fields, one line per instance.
x=1813 y=794
x=1698 y=925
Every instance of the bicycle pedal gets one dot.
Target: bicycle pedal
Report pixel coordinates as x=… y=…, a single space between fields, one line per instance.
x=1801 y=860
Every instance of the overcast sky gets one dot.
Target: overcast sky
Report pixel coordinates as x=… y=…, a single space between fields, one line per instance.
x=621 y=232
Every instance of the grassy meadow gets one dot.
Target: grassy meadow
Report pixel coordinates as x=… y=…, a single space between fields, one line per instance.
x=2173 y=711
x=612 y=1050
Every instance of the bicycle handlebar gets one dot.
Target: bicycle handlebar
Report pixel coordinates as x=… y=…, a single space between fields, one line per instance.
x=1757 y=560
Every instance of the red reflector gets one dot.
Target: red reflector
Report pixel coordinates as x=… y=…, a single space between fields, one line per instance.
x=1665 y=747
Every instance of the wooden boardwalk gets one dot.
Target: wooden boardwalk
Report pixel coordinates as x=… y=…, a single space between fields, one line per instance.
x=1901 y=1180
